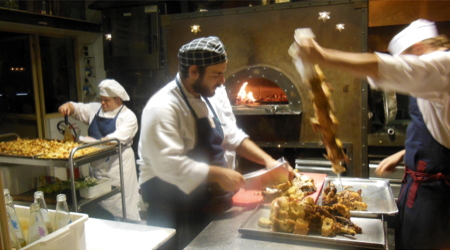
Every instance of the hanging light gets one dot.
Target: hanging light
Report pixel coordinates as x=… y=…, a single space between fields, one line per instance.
x=195 y=28
x=324 y=16
x=340 y=26
x=108 y=37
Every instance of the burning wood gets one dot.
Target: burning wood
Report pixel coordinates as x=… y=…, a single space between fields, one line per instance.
x=245 y=97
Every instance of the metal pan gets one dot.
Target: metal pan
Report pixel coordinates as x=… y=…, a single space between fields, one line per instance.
x=373 y=234
x=376 y=193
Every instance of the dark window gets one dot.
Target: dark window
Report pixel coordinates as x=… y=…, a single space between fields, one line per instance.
x=58 y=72
x=16 y=79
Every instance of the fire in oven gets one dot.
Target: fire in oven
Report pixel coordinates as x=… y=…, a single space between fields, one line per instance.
x=267 y=107
x=261 y=90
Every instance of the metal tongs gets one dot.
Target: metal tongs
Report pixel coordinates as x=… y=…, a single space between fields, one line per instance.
x=67 y=134
x=263 y=178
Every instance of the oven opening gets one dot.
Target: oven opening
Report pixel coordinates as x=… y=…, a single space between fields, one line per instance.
x=258 y=91
x=261 y=90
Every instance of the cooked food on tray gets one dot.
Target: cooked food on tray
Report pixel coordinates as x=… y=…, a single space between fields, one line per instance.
x=298 y=188
x=325 y=122
x=43 y=148
x=348 y=198
x=302 y=216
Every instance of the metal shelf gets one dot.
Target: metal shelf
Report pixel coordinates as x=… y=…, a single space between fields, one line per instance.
x=110 y=147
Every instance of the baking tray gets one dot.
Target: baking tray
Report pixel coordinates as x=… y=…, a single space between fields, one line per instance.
x=373 y=234
x=376 y=193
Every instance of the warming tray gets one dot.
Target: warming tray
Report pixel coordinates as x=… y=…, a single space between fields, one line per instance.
x=376 y=193
x=104 y=152
x=373 y=234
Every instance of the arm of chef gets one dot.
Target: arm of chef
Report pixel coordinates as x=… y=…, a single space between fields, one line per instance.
x=84 y=112
x=126 y=127
x=426 y=76
x=162 y=146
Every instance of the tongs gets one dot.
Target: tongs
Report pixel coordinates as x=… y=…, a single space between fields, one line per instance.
x=67 y=134
x=263 y=178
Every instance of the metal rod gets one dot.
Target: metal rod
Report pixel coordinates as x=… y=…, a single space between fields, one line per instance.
x=122 y=186
x=5 y=240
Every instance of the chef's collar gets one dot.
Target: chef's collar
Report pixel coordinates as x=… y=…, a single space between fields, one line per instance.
x=109 y=114
x=187 y=93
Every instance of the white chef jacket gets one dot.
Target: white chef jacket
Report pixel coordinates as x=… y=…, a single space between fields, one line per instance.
x=126 y=129
x=425 y=77
x=168 y=132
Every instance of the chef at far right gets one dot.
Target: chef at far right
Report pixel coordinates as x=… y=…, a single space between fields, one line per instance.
x=419 y=66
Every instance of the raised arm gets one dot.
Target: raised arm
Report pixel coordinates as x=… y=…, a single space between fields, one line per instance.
x=357 y=64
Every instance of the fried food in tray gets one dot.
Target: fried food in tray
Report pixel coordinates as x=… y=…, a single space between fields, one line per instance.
x=41 y=148
x=292 y=211
x=348 y=198
x=298 y=188
x=303 y=216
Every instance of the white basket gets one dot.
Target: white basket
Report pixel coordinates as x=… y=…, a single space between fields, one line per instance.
x=103 y=186
x=69 y=237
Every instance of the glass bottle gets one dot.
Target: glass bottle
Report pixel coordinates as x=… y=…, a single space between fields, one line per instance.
x=62 y=214
x=39 y=198
x=12 y=234
x=12 y=215
x=37 y=228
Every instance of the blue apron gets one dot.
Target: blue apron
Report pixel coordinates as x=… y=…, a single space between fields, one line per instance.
x=423 y=221
x=190 y=213
x=101 y=126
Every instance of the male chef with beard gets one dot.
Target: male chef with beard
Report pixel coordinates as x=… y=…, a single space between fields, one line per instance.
x=184 y=175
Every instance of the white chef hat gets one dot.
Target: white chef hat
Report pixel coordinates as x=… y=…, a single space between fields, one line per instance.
x=111 y=88
x=417 y=31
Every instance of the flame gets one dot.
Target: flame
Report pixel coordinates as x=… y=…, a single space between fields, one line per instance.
x=244 y=97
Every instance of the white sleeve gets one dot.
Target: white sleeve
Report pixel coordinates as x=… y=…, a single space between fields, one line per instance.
x=163 y=148
x=426 y=76
x=84 y=112
x=126 y=127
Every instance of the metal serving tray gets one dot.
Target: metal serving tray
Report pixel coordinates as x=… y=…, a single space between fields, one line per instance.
x=373 y=234
x=376 y=193
x=57 y=162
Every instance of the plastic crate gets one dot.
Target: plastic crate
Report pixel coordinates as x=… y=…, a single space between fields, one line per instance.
x=69 y=237
x=103 y=186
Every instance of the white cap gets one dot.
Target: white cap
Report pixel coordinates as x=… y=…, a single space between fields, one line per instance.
x=417 y=31
x=111 y=88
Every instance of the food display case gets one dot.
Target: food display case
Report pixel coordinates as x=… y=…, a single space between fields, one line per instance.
x=106 y=149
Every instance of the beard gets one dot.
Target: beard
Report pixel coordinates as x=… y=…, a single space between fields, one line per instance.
x=202 y=89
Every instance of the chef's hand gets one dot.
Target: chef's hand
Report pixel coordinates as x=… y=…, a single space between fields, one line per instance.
x=291 y=170
x=309 y=50
x=228 y=179
x=274 y=163
x=387 y=166
x=66 y=109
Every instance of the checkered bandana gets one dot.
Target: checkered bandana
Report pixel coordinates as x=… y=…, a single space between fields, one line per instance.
x=204 y=51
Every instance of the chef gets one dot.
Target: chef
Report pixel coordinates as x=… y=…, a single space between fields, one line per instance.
x=186 y=128
x=111 y=119
x=419 y=65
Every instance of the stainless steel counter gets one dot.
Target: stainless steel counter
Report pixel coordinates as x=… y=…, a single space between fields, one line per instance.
x=223 y=234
